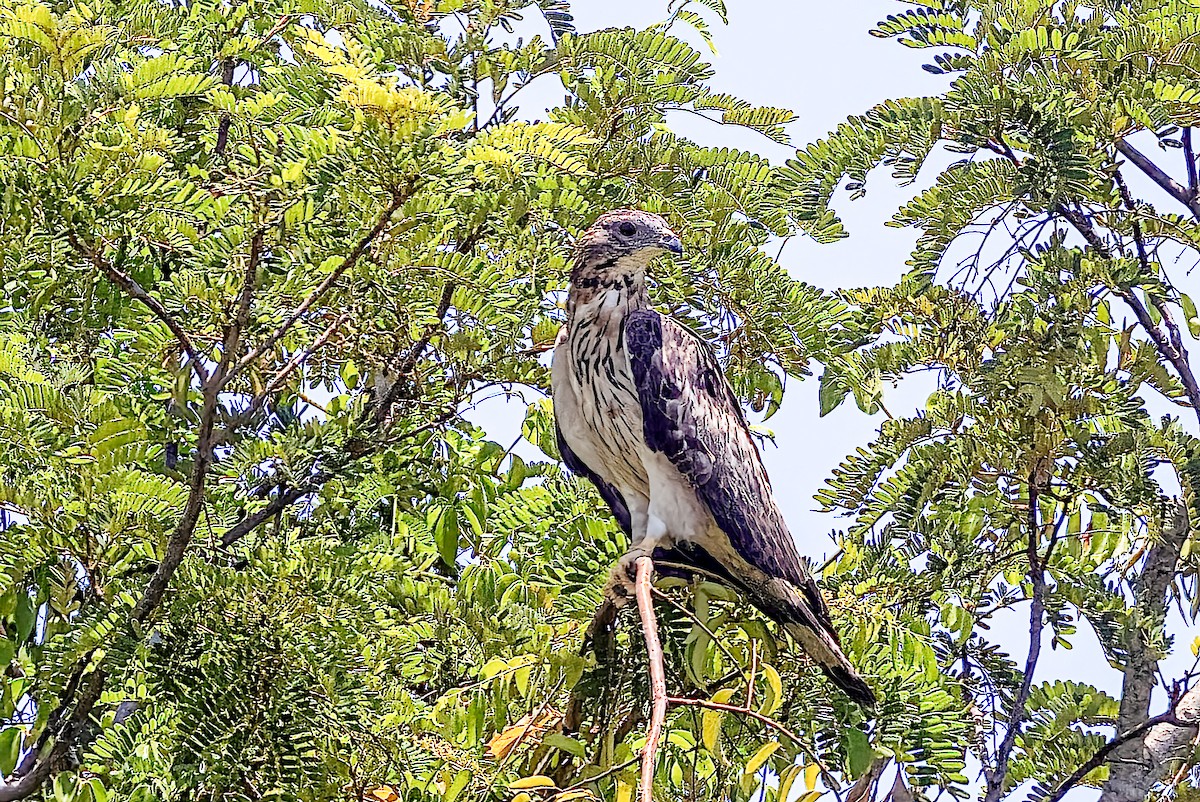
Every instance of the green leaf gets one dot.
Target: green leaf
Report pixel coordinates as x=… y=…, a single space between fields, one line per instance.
x=832 y=393
x=10 y=749
x=858 y=752
x=1189 y=314
x=566 y=744
x=25 y=617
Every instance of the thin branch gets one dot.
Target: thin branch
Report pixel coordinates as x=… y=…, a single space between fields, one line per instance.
x=658 y=677
x=1160 y=177
x=1097 y=759
x=135 y=290
x=606 y=773
x=1162 y=342
x=297 y=359
x=1189 y=156
x=256 y=519
x=1037 y=621
x=181 y=537
x=398 y=199
x=289 y=496
x=826 y=776
x=227 y=68
x=233 y=333
x=696 y=620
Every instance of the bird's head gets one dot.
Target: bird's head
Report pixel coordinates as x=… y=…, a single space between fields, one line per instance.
x=618 y=246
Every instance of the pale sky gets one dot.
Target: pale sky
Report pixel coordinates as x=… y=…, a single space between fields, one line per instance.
x=818 y=59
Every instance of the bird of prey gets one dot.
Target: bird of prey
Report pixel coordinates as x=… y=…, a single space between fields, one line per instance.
x=643 y=410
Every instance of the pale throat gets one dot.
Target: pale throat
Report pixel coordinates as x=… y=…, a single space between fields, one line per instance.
x=610 y=290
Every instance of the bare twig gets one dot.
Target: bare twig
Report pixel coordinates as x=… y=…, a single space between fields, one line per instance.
x=398 y=198
x=658 y=677
x=135 y=290
x=696 y=620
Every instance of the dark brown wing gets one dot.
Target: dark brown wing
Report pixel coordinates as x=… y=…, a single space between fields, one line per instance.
x=691 y=415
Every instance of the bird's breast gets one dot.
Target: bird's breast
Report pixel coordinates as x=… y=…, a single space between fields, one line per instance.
x=609 y=422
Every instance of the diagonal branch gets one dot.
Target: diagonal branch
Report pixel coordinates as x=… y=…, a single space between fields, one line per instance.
x=135 y=290
x=1156 y=174
x=285 y=499
x=1164 y=343
x=398 y=199
x=1101 y=755
x=297 y=359
x=52 y=754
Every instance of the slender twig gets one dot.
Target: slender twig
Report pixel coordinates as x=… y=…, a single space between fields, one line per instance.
x=658 y=677
x=611 y=770
x=227 y=68
x=277 y=381
x=135 y=290
x=1097 y=759
x=1037 y=621
x=398 y=198
x=1189 y=157
x=695 y=619
x=1162 y=342
x=826 y=776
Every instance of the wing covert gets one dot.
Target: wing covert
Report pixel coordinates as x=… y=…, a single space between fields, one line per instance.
x=691 y=415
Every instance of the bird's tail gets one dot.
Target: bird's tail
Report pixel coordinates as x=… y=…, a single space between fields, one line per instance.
x=828 y=655
x=799 y=610
x=814 y=631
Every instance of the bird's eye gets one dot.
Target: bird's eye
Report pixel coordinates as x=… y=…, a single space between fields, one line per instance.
x=627 y=228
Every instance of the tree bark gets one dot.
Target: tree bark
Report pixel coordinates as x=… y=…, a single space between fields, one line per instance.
x=1136 y=766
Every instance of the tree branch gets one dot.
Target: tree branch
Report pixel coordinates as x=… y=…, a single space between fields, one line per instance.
x=658 y=677
x=1129 y=779
x=1097 y=760
x=233 y=333
x=297 y=359
x=1160 y=177
x=1162 y=342
x=138 y=293
x=1037 y=610
x=398 y=199
x=51 y=755
x=1189 y=156
x=285 y=498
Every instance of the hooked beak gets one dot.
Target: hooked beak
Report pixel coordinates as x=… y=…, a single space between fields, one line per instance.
x=673 y=244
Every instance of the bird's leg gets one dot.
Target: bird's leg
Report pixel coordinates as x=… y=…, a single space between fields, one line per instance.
x=620 y=586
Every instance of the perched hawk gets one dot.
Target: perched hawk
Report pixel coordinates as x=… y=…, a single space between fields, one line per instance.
x=643 y=410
